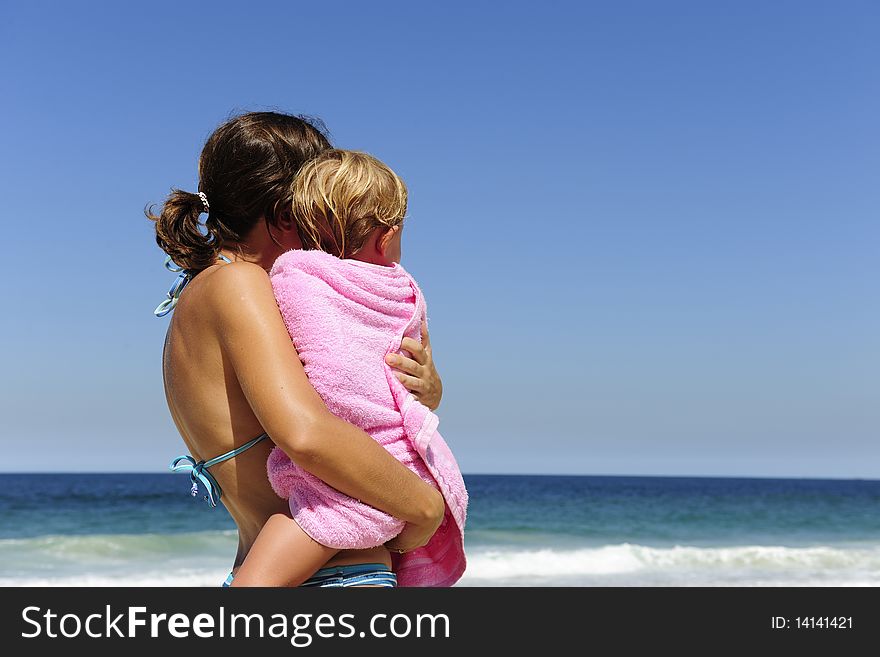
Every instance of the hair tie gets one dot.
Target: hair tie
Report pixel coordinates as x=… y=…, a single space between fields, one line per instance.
x=205 y=202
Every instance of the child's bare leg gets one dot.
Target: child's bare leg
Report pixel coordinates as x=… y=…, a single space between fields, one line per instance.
x=282 y=555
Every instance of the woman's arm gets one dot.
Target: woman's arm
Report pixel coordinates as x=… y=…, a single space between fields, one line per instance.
x=255 y=341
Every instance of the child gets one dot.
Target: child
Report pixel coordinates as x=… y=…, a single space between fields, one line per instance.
x=344 y=315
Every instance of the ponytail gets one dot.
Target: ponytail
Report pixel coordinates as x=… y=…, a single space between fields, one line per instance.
x=180 y=235
x=245 y=171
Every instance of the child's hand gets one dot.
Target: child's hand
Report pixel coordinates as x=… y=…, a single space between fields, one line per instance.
x=418 y=374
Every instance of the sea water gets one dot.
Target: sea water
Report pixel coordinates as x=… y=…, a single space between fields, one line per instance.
x=146 y=530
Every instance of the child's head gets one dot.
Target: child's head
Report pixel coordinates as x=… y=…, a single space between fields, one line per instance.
x=350 y=204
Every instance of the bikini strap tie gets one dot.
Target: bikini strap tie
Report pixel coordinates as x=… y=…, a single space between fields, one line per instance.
x=198 y=470
x=173 y=295
x=198 y=473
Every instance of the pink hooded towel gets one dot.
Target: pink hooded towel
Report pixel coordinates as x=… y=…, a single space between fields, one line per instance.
x=344 y=316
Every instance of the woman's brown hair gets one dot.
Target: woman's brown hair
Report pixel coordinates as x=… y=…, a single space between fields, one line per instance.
x=245 y=172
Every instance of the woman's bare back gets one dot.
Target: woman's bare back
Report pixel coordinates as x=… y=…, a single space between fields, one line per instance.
x=213 y=415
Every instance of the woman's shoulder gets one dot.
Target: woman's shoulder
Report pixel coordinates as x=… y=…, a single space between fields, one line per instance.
x=237 y=275
x=236 y=285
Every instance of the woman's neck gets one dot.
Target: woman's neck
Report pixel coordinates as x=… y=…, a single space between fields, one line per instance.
x=258 y=248
x=240 y=253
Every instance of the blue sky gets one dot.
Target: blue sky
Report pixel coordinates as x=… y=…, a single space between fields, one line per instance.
x=647 y=232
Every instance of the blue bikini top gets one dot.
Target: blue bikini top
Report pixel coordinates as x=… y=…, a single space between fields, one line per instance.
x=184 y=277
x=198 y=471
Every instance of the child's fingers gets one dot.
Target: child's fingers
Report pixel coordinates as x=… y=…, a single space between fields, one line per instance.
x=404 y=364
x=416 y=349
x=411 y=383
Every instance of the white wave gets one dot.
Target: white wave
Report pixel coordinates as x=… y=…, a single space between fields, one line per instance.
x=203 y=559
x=628 y=564
x=109 y=544
x=185 y=559
x=134 y=579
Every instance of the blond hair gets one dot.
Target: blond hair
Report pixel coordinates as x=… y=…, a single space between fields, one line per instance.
x=341 y=196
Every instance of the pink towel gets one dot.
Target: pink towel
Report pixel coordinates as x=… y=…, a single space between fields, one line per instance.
x=344 y=316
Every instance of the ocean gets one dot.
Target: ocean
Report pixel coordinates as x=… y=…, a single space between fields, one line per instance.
x=146 y=530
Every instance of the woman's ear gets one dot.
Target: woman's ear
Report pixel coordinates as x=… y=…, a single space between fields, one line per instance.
x=385 y=239
x=286 y=229
x=284 y=220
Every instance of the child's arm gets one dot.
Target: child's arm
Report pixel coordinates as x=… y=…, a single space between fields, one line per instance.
x=282 y=555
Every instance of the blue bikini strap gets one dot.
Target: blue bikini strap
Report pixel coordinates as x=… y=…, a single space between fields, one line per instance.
x=184 y=277
x=198 y=471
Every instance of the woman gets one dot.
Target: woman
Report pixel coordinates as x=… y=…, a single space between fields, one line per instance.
x=231 y=372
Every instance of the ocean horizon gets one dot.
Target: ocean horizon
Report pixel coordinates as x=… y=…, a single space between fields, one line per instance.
x=144 y=529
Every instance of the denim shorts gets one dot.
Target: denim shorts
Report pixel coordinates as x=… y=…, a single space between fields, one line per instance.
x=356 y=574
